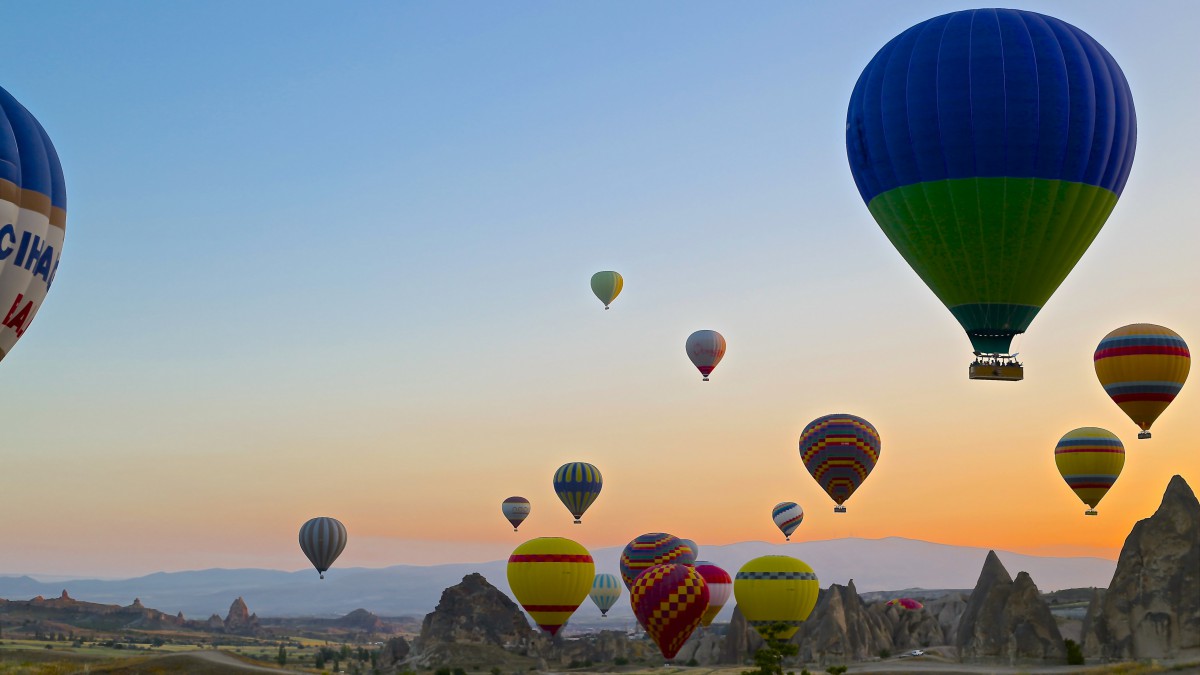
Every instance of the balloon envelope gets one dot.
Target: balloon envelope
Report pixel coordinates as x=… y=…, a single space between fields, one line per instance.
x=1090 y=459
x=691 y=545
x=607 y=286
x=649 y=550
x=669 y=601
x=577 y=484
x=606 y=590
x=776 y=589
x=516 y=510
x=705 y=348
x=720 y=588
x=33 y=218
x=839 y=451
x=322 y=540
x=991 y=145
x=1142 y=368
x=787 y=517
x=550 y=576
x=905 y=603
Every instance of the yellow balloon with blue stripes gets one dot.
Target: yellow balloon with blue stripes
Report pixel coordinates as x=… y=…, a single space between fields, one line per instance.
x=1090 y=459
x=577 y=484
x=776 y=589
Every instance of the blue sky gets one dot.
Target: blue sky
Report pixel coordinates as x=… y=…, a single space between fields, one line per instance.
x=321 y=257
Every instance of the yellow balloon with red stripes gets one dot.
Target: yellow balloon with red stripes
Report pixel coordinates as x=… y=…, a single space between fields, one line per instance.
x=550 y=576
x=1090 y=459
x=776 y=589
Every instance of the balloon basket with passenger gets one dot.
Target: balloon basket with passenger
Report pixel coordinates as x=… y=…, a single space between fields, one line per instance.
x=1003 y=367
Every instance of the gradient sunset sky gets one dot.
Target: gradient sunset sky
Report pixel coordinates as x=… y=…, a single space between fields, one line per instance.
x=333 y=259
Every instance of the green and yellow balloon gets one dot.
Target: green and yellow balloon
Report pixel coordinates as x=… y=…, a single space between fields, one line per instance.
x=607 y=286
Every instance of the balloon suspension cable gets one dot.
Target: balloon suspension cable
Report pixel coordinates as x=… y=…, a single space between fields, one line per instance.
x=706 y=378
x=578 y=522
x=322 y=575
x=1143 y=435
x=787 y=538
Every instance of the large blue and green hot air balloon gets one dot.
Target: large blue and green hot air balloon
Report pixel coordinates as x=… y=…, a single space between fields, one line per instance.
x=991 y=145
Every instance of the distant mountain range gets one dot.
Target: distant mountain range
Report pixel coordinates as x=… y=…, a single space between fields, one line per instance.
x=873 y=564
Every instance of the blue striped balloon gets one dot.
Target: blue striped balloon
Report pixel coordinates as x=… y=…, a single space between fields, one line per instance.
x=322 y=540
x=606 y=590
x=577 y=484
x=787 y=517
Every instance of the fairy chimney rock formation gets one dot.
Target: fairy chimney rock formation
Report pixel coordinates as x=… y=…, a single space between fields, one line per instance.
x=1007 y=619
x=1151 y=609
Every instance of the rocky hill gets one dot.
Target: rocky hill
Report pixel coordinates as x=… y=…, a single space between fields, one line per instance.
x=472 y=616
x=1151 y=609
x=37 y=614
x=1007 y=619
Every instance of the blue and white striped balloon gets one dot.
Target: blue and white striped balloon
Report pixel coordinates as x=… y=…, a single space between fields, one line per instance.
x=787 y=517
x=606 y=590
x=322 y=540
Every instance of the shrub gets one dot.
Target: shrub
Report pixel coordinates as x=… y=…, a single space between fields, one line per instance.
x=885 y=653
x=693 y=663
x=1074 y=653
x=836 y=670
x=621 y=661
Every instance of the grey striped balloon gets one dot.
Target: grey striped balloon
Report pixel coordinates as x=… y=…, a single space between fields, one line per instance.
x=322 y=540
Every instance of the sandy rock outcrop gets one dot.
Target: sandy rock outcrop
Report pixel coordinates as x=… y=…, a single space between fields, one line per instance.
x=394 y=651
x=1152 y=607
x=239 y=620
x=1007 y=619
x=475 y=613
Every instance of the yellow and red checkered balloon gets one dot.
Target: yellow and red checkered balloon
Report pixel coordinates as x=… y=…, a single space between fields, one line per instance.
x=669 y=601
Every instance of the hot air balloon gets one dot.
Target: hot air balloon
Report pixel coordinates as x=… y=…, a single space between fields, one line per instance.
x=322 y=540
x=839 y=451
x=606 y=590
x=669 y=601
x=905 y=603
x=33 y=218
x=1090 y=459
x=550 y=577
x=787 y=517
x=720 y=587
x=705 y=348
x=516 y=510
x=607 y=286
x=577 y=485
x=1142 y=368
x=776 y=589
x=648 y=550
x=692 y=545
x=991 y=145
